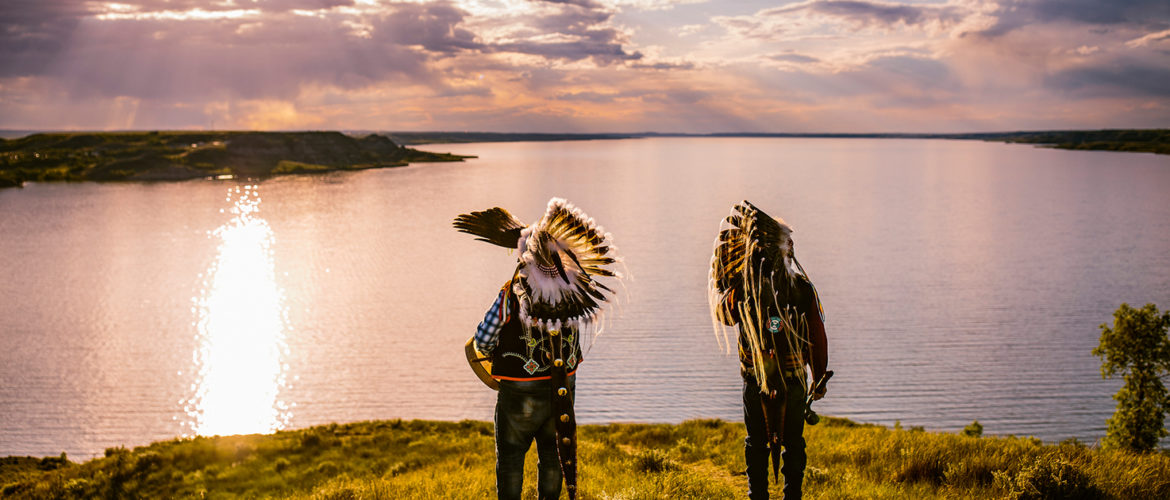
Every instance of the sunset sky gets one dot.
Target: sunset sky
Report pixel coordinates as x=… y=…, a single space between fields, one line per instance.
x=585 y=65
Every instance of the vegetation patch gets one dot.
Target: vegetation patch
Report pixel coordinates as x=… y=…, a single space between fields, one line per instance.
x=187 y=155
x=695 y=459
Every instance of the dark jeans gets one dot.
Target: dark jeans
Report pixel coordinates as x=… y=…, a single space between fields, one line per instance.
x=755 y=446
x=524 y=412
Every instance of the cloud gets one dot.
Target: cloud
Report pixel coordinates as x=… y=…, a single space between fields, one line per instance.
x=287 y=5
x=793 y=58
x=583 y=65
x=273 y=58
x=565 y=31
x=190 y=54
x=1126 y=78
x=664 y=65
x=823 y=18
x=866 y=14
x=688 y=29
x=1149 y=39
x=1014 y=15
x=588 y=4
x=654 y=4
x=434 y=27
x=600 y=51
x=593 y=97
x=34 y=32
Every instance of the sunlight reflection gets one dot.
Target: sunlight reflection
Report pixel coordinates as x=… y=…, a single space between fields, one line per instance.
x=241 y=330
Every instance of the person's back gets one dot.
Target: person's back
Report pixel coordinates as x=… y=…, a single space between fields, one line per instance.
x=533 y=335
x=758 y=287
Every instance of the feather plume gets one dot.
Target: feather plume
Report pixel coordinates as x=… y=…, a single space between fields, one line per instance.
x=567 y=289
x=753 y=270
x=553 y=289
x=494 y=225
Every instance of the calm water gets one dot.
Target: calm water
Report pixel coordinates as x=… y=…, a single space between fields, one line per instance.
x=961 y=280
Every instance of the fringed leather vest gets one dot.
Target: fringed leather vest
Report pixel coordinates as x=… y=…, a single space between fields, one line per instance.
x=525 y=353
x=805 y=303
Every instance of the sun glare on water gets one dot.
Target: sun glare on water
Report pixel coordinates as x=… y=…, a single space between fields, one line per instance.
x=241 y=329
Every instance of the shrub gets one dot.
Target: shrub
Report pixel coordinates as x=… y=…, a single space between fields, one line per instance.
x=921 y=465
x=1137 y=347
x=147 y=461
x=310 y=440
x=1052 y=478
x=327 y=468
x=402 y=468
x=653 y=461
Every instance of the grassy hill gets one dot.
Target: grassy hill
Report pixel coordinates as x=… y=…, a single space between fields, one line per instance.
x=184 y=155
x=696 y=459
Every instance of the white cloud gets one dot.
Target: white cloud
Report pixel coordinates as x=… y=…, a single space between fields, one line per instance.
x=1149 y=39
x=654 y=4
x=1085 y=50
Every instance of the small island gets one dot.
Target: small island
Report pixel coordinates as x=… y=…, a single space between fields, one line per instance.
x=161 y=156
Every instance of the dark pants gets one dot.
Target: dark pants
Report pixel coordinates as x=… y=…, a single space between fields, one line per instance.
x=755 y=446
x=524 y=412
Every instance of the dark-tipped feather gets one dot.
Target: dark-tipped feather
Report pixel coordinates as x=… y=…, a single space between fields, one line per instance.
x=494 y=225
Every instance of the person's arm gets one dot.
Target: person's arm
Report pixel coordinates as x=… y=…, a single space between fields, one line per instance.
x=819 y=346
x=818 y=341
x=487 y=335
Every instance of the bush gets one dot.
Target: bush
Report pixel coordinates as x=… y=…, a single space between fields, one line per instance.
x=1138 y=348
x=653 y=461
x=1052 y=478
x=922 y=465
x=327 y=468
x=402 y=468
x=147 y=462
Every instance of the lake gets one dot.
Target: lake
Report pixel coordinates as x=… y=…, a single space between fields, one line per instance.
x=961 y=281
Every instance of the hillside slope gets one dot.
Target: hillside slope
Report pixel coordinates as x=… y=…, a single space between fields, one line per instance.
x=696 y=459
x=139 y=156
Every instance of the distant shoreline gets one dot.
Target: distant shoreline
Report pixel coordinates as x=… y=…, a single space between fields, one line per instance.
x=180 y=155
x=1155 y=141
x=172 y=156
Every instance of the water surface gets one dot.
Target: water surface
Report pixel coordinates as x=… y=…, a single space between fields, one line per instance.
x=961 y=280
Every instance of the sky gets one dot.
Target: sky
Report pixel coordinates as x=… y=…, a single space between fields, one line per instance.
x=691 y=66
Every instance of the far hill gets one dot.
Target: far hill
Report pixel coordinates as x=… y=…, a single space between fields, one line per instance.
x=144 y=156
x=1155 y=141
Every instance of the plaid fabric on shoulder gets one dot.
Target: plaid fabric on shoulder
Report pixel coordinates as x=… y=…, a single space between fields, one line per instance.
x=487 y=335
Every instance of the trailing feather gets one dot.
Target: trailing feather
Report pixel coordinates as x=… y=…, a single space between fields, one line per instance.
x=494 y=225
x=753 y=271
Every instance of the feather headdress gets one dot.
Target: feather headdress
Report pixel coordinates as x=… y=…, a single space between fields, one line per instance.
x=561 y=257
x=753 y=269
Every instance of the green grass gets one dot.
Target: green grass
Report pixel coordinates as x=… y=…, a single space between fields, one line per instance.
x=695 y=459
x=296 y=167
x=1155 y=141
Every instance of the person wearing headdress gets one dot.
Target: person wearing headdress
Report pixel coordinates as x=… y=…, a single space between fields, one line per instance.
x=759 y=290
x=529 y=343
